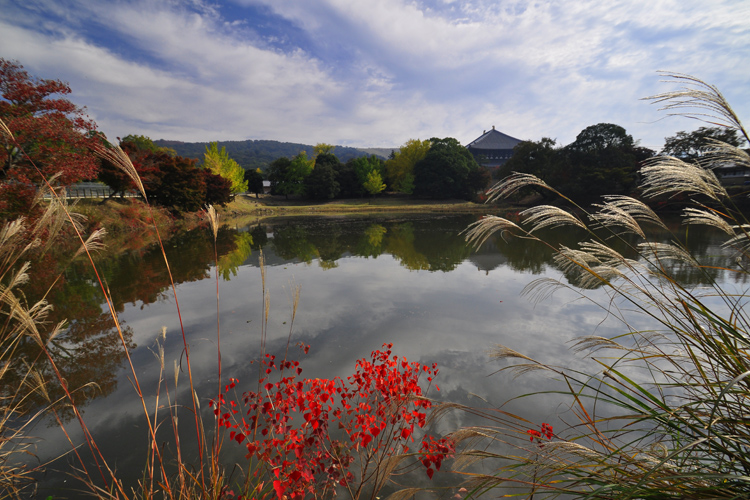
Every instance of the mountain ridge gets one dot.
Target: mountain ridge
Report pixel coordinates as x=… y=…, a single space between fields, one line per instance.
x=259 y=153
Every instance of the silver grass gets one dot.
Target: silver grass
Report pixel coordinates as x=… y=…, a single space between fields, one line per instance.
x=594 y=343
x=470 y=433
x=485 y=481
x=441 y=409
x=213 y=220
x=605 y=254
x=93 y=243
x=405 y=494
x=709 y=104
x=478 y=232
x=723 y=154
x=115 y=155
x=625 y=212
x=6 y=131
x=548 y=216
x=556 y=447
x=9 y=232
x=541 y=289
x=570 y=260
x=668 y=251
x=501 y=352
x=463 y=461
x=388 y=466
x=610 y=216
x=666 y=175
x=598 y=275
x=57 y=330
x=21 y=277
x=740 y=242
x=513 y=183
x=708 y=218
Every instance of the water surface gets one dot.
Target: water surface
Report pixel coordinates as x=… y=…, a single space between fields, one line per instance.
x=364 y=281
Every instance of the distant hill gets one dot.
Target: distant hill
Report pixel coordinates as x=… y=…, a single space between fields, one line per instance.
x=252 y=154
x=384 y=153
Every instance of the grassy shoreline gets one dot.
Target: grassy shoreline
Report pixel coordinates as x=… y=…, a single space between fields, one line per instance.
x=126 y=216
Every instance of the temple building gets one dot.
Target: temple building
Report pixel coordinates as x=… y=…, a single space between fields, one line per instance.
x=492 y=148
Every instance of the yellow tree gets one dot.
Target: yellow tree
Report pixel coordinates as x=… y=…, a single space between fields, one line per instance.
x=322 y=148
x=400 y=168
x=219 y=163
x=374 y=183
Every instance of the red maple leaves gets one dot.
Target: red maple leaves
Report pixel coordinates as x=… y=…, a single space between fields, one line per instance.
x=50 y=132
x=370 y=415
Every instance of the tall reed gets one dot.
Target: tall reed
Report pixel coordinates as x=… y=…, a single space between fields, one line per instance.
x=665 y=413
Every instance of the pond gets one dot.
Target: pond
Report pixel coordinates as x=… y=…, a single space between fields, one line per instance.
x=409 y=280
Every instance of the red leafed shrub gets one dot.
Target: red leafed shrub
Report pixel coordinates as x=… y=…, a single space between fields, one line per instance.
x=308 y=432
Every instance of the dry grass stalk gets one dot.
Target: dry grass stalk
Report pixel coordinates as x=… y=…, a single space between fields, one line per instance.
x=679 y=392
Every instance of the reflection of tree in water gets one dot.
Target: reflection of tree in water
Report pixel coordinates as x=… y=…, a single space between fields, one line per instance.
x=432 y=250
x=229 y=262
x=260 y=238
x=330 y=244
x=89 y=351
x=703 y=242
x=444 y=249
x=400 y=244
x=290 y=242
x=371 y=242
x=437 y=244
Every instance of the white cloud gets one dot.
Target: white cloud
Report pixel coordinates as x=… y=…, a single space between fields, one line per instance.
x=380 y=72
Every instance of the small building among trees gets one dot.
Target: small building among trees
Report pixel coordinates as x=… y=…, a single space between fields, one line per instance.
x=493 y=148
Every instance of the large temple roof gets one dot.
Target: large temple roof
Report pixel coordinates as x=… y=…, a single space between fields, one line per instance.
x=494 y=139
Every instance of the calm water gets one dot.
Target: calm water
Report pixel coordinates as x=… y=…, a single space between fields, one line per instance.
x=365 y=281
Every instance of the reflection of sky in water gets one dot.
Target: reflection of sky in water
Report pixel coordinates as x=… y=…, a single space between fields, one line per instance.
x=450 y=318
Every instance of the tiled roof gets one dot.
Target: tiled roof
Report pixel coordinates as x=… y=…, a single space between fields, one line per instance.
x=493 y=139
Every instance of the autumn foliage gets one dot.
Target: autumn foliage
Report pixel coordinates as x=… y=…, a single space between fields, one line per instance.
x=49 y=132
x=358 y=424
x=169 y=180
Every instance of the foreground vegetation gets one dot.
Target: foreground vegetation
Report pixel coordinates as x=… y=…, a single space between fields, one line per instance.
x=663 y=411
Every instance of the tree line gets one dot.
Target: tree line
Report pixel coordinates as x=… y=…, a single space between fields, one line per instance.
x=604 y=159
x=437 y=168
x=47 y=137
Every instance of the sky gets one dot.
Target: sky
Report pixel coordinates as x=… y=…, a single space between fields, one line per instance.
x=376 y=73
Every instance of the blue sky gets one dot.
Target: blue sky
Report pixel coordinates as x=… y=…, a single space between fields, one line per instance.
x=379 y=72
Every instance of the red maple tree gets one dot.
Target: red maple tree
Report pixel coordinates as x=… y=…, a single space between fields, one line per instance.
x=48 y=131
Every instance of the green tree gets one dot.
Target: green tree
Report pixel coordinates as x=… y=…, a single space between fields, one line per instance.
x=369 y=171
x=254 y=179
x=602 y=160
x=348 y=181
x=538 y=158
x=277 y=172
x=321 y=183
x=221 y=164
x=374 y=183
x=445 y=171
x=288 y=176
x=693 y=145
x=400 y=168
